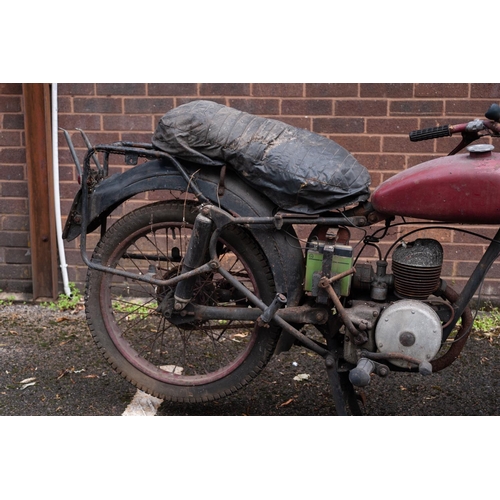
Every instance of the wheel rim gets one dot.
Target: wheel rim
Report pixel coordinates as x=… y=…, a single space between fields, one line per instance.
x=186 y=355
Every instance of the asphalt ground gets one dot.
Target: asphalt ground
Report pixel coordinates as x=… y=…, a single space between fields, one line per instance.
x=50 y=366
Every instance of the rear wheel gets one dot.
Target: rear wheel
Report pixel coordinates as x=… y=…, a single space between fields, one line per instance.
x=192 y=361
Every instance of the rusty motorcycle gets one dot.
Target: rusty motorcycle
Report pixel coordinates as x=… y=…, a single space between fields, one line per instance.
x=189 y=297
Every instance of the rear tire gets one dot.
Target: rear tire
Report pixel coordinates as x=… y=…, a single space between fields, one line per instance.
x=190 y=362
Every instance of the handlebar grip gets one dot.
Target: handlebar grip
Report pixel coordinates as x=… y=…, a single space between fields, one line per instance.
x=430 y=133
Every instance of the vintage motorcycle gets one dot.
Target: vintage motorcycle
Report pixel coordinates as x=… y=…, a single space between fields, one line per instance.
x=188 y=298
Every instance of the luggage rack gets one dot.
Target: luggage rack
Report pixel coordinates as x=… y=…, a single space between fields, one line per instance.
x=132 y=151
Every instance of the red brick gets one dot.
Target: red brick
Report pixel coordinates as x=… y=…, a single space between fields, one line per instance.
x=339 y=125
x=72 y=89
x=392 y=162
x=306 y=107
x=14 y=189
x=172 y=89
x=332 y=89
x=391 y=126
x=10 y=104
x=137 y=136
x=416 y=107
x=85 y=122
x=15 y=286
x=361 y=108
x=97 y=105
x=179 y=101
x=469 y=109
x=68 y=190
x=13 y=206
x=12 y=172
x=66 y=173
x=434 y=122
x=413 y=160
x=13 y=121
x=277 y=89
x=441 y=90
x=297 y=121
x=124 y=122
x=15 y=223
x=111 y=89
x=12 y=155
x=15 y=272
x=17 y=256
x=358 y=143
x=392 y=90
x=404 y=145
x=461 y=237
x=256 y=106
x=463 y=252
x=11 y=88
x=445 y=145
x=225 y=89
x=14 y=238
x=485 y=90
x=64 y=104
x=148 y=105
x=10 y=138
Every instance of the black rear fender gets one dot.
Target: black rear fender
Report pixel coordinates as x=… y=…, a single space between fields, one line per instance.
x=284 y=254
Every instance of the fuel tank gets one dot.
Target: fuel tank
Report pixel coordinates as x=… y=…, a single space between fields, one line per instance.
x=461 y=188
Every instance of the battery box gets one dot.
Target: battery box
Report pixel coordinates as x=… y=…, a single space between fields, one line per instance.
x=342 y=261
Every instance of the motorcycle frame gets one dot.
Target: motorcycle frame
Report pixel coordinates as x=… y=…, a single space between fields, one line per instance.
x=358 y=217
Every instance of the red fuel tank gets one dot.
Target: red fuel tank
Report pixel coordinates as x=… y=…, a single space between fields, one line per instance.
x=461 y=188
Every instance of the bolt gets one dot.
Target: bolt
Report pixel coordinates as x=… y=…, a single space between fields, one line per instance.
x=330 y=362
x=407 y=339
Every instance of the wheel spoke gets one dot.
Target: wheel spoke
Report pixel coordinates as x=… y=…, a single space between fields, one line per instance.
x=158 y=341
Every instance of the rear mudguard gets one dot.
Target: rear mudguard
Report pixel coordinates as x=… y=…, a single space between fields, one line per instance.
x=280 y=247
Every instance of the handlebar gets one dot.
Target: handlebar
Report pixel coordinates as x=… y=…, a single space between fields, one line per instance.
x=492 y=125
x=430 y=133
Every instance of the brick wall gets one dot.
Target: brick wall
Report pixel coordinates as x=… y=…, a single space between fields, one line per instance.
x=370 y=120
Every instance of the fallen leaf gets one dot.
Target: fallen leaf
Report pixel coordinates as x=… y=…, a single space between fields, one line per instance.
x=301 y=376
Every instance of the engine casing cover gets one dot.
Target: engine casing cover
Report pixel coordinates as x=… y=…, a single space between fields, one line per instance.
x=411 y=328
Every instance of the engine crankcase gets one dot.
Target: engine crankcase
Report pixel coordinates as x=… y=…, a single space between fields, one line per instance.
x=411 y=328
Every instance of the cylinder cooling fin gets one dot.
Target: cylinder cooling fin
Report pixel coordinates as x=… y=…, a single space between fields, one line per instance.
x=417 y=268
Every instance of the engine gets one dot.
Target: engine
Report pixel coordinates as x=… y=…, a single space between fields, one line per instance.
x=401 y=319
x=408 y=329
